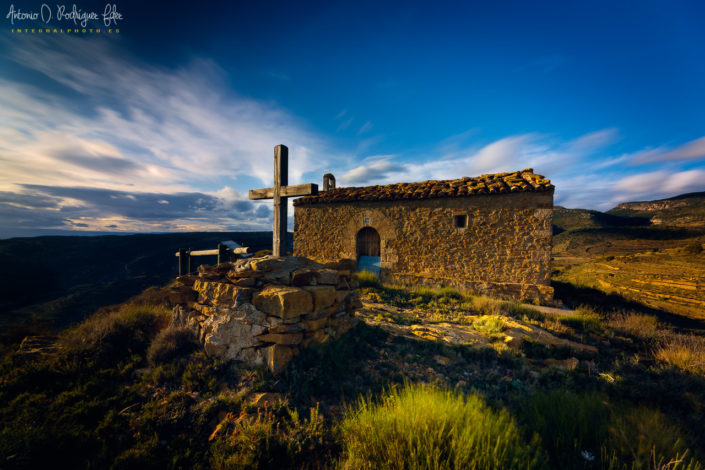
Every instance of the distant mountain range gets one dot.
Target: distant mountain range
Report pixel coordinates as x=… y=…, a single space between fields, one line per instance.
x=686 y=210
x=61 y=279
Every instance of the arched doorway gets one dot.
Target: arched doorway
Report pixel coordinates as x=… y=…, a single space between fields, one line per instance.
x=367 y=244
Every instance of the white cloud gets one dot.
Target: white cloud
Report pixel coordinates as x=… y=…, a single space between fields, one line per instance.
x=693 y=150
x=376 y=169
x=132 y=126
x=657 y=185
x=174 y=125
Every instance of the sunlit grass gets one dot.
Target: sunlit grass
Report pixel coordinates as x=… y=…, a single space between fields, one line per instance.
x=583 y=319
x=686 y=352
x=426 y=428
x=635 y=324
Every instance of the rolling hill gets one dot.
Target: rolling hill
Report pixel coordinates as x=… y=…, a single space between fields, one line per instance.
x=650 y=252
x=686 y=210
x=58 y=280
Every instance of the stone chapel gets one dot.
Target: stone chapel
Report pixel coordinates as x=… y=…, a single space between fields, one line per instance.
x=489 y=234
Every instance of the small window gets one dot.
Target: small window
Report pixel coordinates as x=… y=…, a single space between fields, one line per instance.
x=461 y=221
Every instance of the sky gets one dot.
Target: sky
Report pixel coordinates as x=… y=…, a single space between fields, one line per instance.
x=164 y=119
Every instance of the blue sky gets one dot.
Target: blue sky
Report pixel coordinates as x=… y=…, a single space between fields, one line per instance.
x=165 y=125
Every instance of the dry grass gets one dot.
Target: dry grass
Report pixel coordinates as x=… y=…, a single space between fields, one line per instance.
x=556 y=326
x=117 y=330
x=686 y=352
x=641 y=326
x=486 y=305
x=170 y=343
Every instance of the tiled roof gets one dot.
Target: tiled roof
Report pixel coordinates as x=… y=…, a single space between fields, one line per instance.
x=499 y=183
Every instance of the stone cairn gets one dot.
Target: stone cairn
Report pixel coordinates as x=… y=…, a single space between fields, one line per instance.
x=264 y=310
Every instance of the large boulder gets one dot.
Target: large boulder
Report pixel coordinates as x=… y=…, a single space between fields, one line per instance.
x=283 y=301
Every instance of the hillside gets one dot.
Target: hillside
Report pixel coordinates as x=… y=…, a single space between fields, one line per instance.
x=568 y=389
x=58 y=280
x=686 y=210
x=578 y=219
x=648 y=252
x=426 y=375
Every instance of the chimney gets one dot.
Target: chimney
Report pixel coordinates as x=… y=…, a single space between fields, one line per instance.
x=328 y=182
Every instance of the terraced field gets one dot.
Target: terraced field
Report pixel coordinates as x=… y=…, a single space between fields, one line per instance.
x=672 y=280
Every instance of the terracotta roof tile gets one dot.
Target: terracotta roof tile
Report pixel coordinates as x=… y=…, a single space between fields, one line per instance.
x=499 y=183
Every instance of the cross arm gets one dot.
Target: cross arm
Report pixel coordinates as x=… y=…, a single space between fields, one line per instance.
x=308 y=189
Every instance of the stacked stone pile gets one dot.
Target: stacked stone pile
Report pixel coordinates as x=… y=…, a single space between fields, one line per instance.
x=264 y=310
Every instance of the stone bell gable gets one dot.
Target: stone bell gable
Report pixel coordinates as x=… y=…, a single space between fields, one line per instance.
x=489 y=234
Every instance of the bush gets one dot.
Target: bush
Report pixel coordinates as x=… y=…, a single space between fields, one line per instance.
x=686 y=352
x=489 y=324
x=275 y=438
x=576 y=429
x=637 y=325
x=116 y=334
x=171 y=343
x=424 y=427
x=647 y=439
x=449 y=293
x=568 y=424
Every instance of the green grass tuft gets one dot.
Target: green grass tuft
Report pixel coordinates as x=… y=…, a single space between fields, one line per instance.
x=489 y=325
x=422 y=427
x=583 y=319
x=368 y=279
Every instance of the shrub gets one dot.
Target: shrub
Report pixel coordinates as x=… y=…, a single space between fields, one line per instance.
x=634 y=324
x=116 y=334
x=489 y=324
x=576 y=429
x=367 y=279
x=568 y=424
x=171 y=343
x=275 y=438
x=424 y=427
x=647 y=439
x=686 y=352
x=449 y=293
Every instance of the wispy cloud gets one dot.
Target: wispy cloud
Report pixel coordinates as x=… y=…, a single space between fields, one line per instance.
x=378 y=168
x=345 y=124
x=583 y=170
x=121 y=125
x=693 y=150
x=657 y=184
x=452 y=160
x=95 y=209
x=365 y=128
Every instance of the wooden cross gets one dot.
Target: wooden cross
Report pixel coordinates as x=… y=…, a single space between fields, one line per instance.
x=280 y=192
